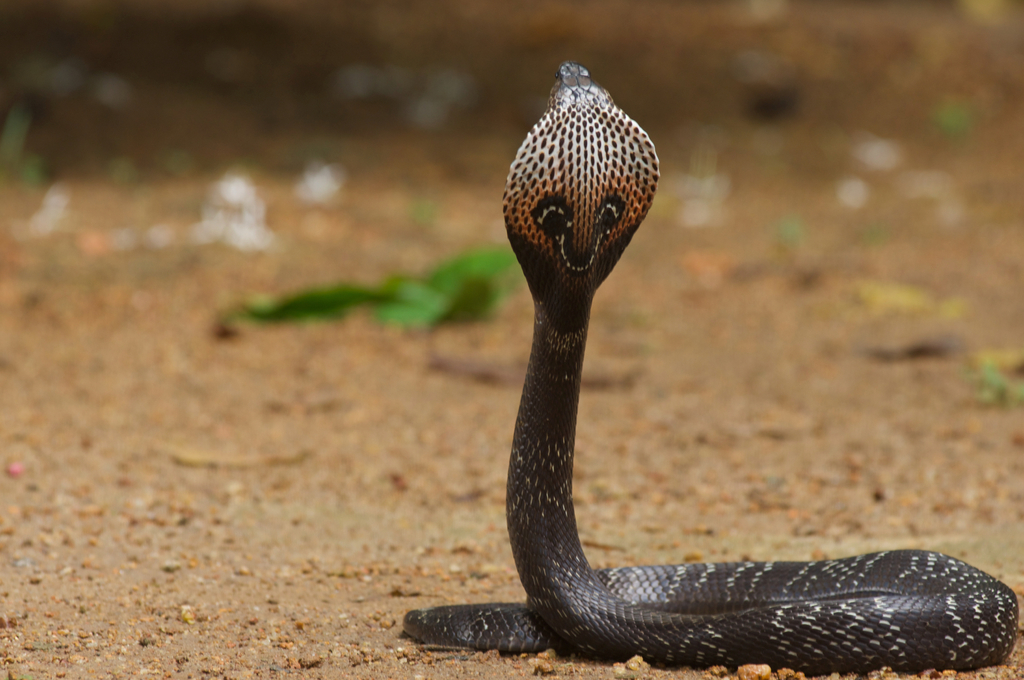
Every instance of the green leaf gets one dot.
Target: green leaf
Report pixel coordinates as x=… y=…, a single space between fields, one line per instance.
x=466 y=287
x=33 y=170
x=414 y=304
x=317 y=303
x=475 y=299
x=789 y=233
x=13 y=134
x=475 y=282
x=995 y=389
x=955 y=119
x=489 y=263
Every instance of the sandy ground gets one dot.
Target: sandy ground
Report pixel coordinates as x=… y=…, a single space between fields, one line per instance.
x=187 y=505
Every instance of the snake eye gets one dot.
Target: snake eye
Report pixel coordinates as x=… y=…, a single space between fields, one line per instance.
x=609 y=214
x=554 y=216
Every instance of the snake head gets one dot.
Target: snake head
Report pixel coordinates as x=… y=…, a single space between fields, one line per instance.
x=581 y=184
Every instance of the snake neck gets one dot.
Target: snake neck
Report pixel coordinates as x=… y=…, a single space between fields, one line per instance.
x=539 y=505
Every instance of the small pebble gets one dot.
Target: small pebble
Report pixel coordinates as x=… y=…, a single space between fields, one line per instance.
x=620 y=672
x=634 y=668
x=754 y=671
x=790 y=674
x=15 y=469
x=542 y=666
x=638 y=664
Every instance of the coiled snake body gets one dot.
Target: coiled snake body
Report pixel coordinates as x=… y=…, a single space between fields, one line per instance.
x=580 y=186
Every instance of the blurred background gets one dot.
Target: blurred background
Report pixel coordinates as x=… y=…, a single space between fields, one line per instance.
x=143 y=90
x=138 y=95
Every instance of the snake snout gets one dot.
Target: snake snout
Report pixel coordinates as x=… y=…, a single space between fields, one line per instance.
x=572 y=74
x=575 y=87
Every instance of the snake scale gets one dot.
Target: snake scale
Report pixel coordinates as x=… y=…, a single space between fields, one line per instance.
x=581 y=184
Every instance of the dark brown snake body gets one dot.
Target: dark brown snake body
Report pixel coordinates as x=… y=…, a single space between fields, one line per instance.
x=580 y=186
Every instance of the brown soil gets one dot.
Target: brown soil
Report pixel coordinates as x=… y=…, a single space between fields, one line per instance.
x=200 y=506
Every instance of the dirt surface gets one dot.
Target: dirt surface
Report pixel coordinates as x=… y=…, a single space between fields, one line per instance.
x=184 y=504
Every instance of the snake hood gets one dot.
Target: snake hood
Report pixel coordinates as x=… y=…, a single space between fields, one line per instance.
x=579 y=187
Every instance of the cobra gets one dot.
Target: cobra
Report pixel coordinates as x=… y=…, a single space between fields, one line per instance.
x=581 y=184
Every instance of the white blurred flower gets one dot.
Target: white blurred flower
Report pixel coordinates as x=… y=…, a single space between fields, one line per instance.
x=55 y=203
x=319 y=183
x=702 y=198
x=853 y=192
x=937 y=186
x=234 y=214
x=444 y=90
x=877 y=153
x=703 y=190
